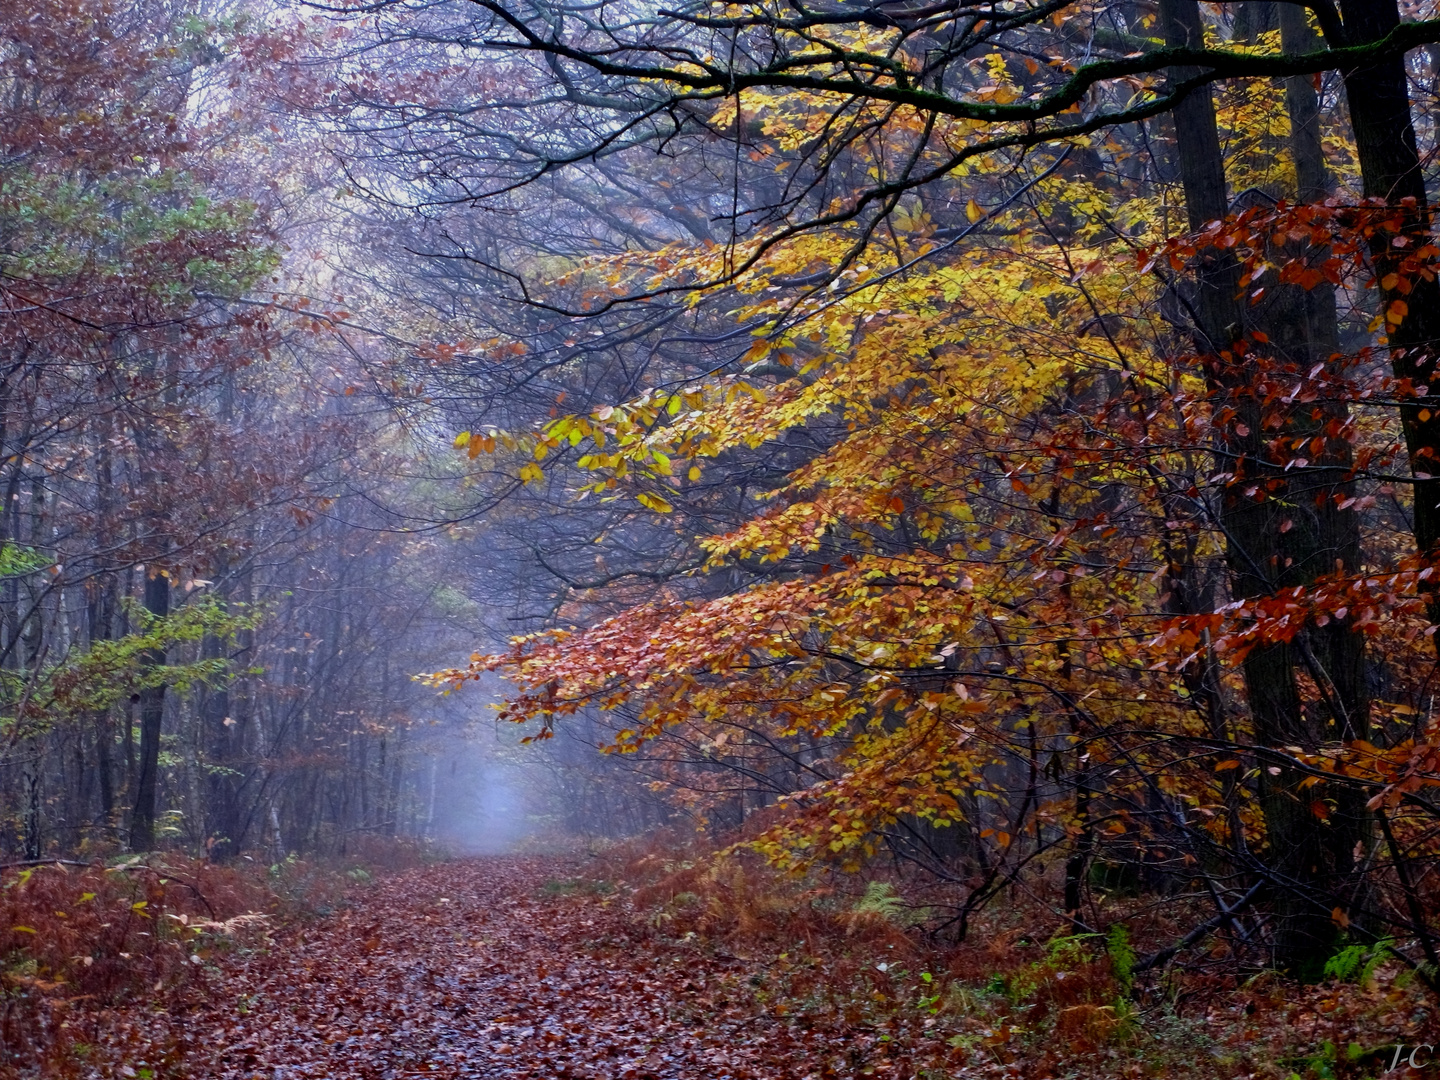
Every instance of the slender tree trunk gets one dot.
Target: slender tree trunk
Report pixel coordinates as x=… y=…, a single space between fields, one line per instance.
x=1302 y=102
x=99 y=618
x=220 y=735
x=33 y=845
x=101 y=615
x=221 y=797
x=152 y=714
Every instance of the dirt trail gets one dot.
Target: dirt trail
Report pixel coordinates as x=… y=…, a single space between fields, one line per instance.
x=476 y=969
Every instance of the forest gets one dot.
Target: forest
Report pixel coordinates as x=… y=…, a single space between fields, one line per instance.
x=751 y=538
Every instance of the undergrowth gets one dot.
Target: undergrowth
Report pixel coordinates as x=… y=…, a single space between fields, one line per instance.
x=1022 y=995
x=81 y=942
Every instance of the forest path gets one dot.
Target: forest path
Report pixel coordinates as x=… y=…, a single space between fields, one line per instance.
x=489 y=967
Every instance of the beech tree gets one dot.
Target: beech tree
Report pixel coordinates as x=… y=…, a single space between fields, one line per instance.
x=1091 y=491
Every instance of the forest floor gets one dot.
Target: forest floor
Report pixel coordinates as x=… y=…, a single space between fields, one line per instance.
x=543 y=967
x=496 y=967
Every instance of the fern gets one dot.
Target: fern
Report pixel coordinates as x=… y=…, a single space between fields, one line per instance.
x=1357 y=963
x=1122 y=957
x=880 y=899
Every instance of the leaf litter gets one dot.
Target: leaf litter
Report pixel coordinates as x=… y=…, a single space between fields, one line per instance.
x=468 y=969
x=537 y=967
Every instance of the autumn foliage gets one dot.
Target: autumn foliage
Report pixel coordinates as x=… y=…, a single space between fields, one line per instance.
x=1053 y=577
x=656 y=957
x=975 y=465
x=83 y=941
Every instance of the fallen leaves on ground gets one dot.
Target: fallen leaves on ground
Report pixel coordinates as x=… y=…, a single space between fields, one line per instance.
x=540 y=967
x=476 y=969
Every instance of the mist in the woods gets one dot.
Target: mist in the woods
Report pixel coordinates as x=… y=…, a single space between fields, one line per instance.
x=914 y=526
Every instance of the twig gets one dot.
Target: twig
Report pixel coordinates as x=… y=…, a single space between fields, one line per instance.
x=1226 y=914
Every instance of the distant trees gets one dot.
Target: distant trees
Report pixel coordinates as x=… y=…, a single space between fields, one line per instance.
x=187 y=629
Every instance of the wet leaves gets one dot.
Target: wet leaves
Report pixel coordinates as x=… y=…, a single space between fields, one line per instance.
x=522 y=967
x=475 y=969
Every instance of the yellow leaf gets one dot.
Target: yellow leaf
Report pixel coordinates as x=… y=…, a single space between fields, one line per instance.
x=654 y=502
x=973 y=211
x=462 y=440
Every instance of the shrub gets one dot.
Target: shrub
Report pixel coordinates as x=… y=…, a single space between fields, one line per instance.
x=96 y=936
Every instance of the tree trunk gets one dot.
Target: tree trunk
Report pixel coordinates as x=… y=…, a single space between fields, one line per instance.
x=221 y=797
x=98 y=615
x=221 y=735
x=1283 y=529
x=152 y=714
x=1379 y=100
x=1302 y=102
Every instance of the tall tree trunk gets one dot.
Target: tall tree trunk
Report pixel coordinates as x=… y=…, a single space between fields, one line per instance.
x=219 y=730
x=98 y=616
x=1327 y=536
x=1379 y=100
x=1302 y=102
x=1282 y=529
x=221 y=810
x=101 y=616
x=152 y=714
